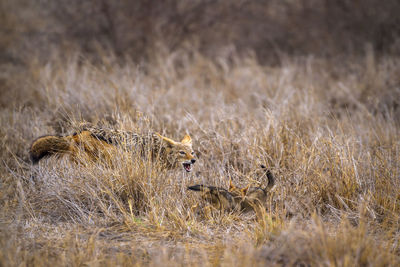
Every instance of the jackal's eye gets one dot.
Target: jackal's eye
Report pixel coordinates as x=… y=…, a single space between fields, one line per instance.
x=192 y=153
x=182 y=152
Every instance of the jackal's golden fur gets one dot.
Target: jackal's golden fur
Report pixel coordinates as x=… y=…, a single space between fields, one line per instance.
x=99 y=143
x=240 y=199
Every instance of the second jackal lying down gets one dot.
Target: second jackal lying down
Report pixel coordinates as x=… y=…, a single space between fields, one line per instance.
x=239 y=199
x=99 y=143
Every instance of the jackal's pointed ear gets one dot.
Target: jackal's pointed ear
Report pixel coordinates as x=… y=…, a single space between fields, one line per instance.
x=187 y=140
x=244 y=190
x=166 y=139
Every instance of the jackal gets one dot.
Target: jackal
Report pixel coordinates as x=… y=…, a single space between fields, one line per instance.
x=240 y=199
x=99 y=143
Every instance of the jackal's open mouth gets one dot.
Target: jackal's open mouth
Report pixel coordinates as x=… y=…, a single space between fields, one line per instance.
x=187 y=166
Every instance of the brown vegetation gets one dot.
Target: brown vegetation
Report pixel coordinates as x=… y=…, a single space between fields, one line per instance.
x=327 y=127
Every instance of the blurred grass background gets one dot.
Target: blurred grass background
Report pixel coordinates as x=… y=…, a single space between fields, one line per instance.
x=309 y=88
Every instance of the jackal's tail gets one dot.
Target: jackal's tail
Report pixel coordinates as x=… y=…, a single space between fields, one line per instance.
x=270 y=176
x=48 y=145
x=198 y=187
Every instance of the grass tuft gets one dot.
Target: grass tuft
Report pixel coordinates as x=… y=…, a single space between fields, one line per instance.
x=324 y=129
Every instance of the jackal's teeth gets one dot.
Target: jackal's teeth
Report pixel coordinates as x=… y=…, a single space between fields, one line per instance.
x=187 y=166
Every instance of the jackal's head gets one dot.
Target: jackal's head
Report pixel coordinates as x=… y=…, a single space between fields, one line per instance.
x=179 y=153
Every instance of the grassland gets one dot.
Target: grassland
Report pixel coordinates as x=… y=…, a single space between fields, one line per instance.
x=328 y=130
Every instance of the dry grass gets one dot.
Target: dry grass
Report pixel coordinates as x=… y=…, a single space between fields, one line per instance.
x=328 y=130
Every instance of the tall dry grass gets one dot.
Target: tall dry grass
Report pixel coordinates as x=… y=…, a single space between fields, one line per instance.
x=329 y=131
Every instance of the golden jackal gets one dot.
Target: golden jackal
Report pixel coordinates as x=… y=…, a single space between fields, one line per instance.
x=243 y=199
x=101 y=143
